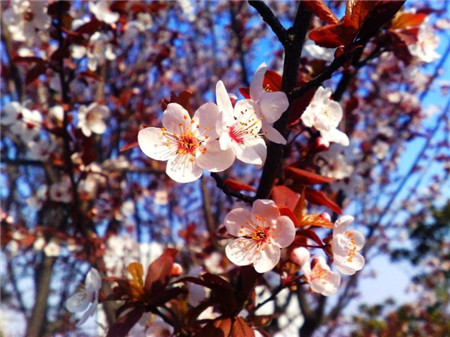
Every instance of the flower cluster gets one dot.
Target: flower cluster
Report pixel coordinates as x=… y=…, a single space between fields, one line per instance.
x=345 y=246
x=216 y=134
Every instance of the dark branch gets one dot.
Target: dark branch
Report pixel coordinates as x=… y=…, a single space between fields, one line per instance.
x=273 y=22
x=220 y=184
x=318 y=80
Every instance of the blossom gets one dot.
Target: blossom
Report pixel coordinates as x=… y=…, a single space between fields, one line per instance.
x=91 y=118
x=25 y=17
x=260 y=234
x=424 y=50
x=101 y=11
x=239 y=128
x=86 y=297
x=98 y=50
x=324 y=115
x=61 y=191
x=188 y=144
x=22 y=122
x=269 y=105
x=346 y=245
x=320 y=278
x=299 y=255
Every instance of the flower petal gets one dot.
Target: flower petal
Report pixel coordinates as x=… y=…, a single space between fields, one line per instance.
x=272 y=134
x=267 y=259
x=335 y=136
x=256 y=84
x=90 y=312
x=241 y=251
x=214 y=159
x=267 y=209
x=237 y=220
x=224 y=103
x=206 y=118
x=78 y=302
x=347 y=267
x=93 y=279
x=176 y=119
x=272 y=105
x=182 y=169
x=284 y=232
x=254 y=154
x=155 y=145
x=341 y=224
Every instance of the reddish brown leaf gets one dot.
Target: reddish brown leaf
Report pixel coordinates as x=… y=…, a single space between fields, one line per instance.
x=332 y=36
x=305 y=177
x=302 y=235
x=218 y=328
x=183 y=99
x=124 y=324
x=300 y=104
x=381 y=13
x=284 y=196
x=406 y=20
x=319 y=198
x=319 y=8
x=272 y=81
x=358 y=10
x=241 y=329
x=238 y=186
x=128 y=146
x=35 y=72
x=314 y=220
x=89 y=27
x=159 y=272
x=27 y=59
x=289 y=213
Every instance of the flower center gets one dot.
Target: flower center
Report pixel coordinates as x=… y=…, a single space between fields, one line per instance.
x=28 y=16
x=187 y=143
x=236 y=135
x=351 y=247
x=261 y=235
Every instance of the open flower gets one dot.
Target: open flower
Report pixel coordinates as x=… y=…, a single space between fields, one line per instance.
x=102 y=12
x=25 y=17
x=260 y=234
x=320 y=278
x=346 y=245
x=87 y=297
x=324 y=115
x=188 y=145
x=269 y=105
x=239 y=128
x=91 y=119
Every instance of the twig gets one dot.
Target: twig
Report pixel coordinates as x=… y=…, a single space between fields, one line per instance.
x=273 y=22
x=220 y=184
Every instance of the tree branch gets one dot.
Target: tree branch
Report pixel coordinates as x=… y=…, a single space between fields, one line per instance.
x=273 y=22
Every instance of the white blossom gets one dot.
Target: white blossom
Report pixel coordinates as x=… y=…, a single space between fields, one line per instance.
x=91 y=118
x=25 y=17
x=86 y=297
x=100 y=9
x=259 y=235
x=324 y=115
x=188 y=144
x=239 y=128
x=270 y=105
x=346 y=245
x=424 y=50
x=320 y=278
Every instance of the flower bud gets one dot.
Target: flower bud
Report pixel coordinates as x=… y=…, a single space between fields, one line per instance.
x=299 y=255
x=177 y=269
x=326 y=216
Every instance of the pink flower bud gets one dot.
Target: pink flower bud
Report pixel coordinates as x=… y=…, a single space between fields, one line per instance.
x=177 y=269
x=322 y=144
x=326 y=216
x=299 y=255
